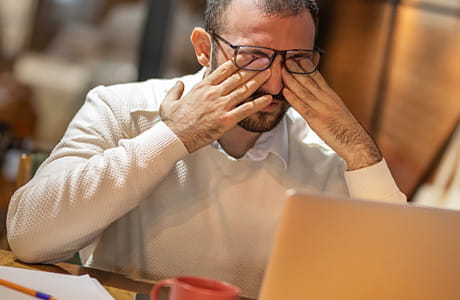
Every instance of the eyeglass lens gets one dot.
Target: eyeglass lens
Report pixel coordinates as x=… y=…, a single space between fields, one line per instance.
x=296 y=61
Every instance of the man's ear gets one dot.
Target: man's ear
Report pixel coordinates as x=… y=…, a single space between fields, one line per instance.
x=202 y=43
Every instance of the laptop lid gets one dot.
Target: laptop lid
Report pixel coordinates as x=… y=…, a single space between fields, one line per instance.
x=329 y=248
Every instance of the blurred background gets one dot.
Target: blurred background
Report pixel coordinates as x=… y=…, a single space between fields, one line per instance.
x=396 y=64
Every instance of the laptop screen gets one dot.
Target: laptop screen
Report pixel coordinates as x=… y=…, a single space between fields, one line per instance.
x=332 y=248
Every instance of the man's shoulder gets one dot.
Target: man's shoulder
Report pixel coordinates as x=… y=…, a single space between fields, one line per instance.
x=146 y=95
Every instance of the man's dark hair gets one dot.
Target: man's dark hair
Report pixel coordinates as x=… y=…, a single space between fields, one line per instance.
x=216 y=8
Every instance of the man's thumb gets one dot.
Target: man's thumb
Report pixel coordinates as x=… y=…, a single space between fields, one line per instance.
x=175 y=92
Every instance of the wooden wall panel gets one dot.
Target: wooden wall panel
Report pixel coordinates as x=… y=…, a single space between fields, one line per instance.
x=422 y=100
x=446 y=5
x=355 y=52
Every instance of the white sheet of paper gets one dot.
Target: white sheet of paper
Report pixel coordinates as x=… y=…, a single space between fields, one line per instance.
x=60 y=286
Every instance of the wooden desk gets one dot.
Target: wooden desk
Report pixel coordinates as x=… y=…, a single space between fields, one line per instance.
x=119 y=286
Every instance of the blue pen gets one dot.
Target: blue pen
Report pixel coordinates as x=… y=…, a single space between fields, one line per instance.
x=26 y=290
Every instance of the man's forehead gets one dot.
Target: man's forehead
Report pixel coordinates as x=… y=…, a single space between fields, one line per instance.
x=246 y=20
x=268 y=7
x=238 y=11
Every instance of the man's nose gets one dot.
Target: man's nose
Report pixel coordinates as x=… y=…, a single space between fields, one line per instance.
x=274 y=85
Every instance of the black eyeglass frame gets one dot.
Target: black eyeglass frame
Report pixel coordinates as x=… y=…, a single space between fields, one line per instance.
x=276 y=53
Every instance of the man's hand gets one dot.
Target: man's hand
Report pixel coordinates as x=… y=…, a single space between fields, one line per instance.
x=214 y=105
x=328 y=116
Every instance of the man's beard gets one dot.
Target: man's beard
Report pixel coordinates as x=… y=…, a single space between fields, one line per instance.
x=263 y=121
x=260 y=121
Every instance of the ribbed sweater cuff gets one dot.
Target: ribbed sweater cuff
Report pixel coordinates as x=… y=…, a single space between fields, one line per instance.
x=373 y=183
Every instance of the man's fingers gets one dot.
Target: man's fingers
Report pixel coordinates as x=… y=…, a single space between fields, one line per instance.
x=318 y=79
x=301 y=85
x=245 y=90
x=248 y=108
x=293 y=99
x=175 y=92
x=239 y=78
x=222 y=72
x=315 y=77
x=301 y=106
x=300 y=65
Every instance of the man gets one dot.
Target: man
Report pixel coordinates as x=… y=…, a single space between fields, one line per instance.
x=170 y=177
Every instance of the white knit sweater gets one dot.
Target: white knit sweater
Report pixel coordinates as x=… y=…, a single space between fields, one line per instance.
x=121 y=181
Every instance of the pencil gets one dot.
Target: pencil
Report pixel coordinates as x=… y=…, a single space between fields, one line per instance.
x=25 y=290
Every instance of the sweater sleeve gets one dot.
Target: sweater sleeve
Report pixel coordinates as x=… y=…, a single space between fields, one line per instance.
x=95 y=175
x=374 y=183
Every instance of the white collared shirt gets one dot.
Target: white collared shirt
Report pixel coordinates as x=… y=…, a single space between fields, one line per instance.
x=274 y=141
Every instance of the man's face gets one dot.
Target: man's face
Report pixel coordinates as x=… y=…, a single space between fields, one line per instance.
x=244 y=24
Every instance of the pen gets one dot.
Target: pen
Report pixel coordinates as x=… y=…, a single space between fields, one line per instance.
x=25 y=290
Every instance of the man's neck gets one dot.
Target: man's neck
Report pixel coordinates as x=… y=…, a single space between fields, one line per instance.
x=237 y=141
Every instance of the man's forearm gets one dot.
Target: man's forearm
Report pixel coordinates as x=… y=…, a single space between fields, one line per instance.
x=72 y=199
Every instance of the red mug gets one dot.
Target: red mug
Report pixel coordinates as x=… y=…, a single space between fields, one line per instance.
x=196 y=288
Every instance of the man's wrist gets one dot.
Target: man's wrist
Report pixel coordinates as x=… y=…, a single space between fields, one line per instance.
x=364 y=156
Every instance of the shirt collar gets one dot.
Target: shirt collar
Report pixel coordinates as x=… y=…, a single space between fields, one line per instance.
x=274 y=141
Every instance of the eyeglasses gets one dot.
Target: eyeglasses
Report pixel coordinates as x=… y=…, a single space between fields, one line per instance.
x=253 y=58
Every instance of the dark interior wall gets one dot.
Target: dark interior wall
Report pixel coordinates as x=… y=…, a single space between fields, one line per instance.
x=421 y=98
x=356 y=52
x=157 y=26
x=397 y=67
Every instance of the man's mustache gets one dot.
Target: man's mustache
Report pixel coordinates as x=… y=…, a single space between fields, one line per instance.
x=258 y=94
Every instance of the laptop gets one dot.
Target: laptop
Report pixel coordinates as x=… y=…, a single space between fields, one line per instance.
x=329 y=248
